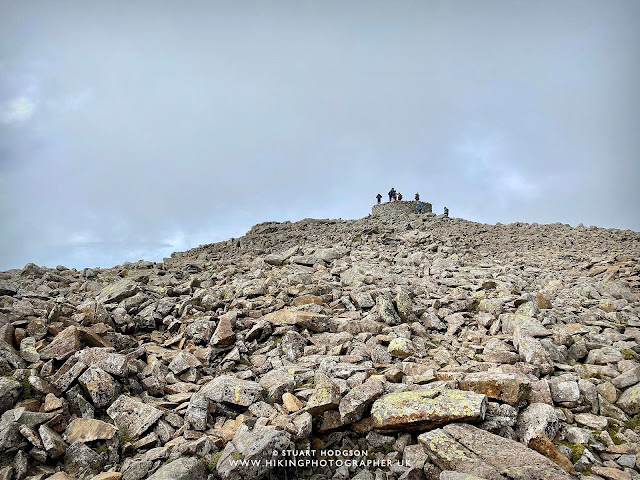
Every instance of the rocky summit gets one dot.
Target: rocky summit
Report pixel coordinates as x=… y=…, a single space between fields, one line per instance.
x=397 y=346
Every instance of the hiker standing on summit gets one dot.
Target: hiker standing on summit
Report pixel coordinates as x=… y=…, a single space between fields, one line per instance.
x=392 y=194
x=379 y=197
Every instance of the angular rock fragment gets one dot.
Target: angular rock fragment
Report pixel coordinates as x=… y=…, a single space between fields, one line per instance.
x=506 y=387
x=53 y=443
x=184 y=468
x=197 y=411
x=89 y=430
x=104 y=358
x=257 y=447
x=326 y=397
x=81 y=458
x=401 y=347
x=277 y=382
x=426 y=409
x=629 y=401
x=65 y=344
x=117 y=292
x=10 y=390
x=67 y=374
x=358 y=400
x=99 y=385
x=133 y=417
x=229 y=389
x=224 y=334
x=184 y=361
x=537 y=420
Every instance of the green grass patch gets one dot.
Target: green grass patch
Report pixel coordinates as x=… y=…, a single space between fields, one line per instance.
x=633 y=423
x=26 y=385
x=577 y=449
x=629 y=354
x=214 y=461
x=124 y=439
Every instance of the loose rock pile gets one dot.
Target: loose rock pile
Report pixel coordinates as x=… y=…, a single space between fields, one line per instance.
x=414 y=347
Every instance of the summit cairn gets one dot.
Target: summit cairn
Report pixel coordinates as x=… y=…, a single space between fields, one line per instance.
x=400 y=209
x=402 y=345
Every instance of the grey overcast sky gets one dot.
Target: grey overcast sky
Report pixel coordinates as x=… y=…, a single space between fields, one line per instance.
x=129 y=130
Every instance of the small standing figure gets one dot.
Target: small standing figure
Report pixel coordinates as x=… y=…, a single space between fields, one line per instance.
x=446 y=212
x=419 y=207
x=417 y=197
x=379 y=197
x=399 y=196
x=392 y=194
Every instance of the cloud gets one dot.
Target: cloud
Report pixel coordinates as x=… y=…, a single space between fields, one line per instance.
x=70 y=102
x=17 y=110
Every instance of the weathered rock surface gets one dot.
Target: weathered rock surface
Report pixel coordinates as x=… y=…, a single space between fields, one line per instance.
x=467 y=449
x=181 y=469
x=426 y=409
x=131 y=416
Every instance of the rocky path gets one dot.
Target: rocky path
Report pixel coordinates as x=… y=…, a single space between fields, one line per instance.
x=411 y=347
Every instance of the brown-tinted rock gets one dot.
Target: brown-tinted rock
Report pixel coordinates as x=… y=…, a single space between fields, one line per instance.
x=89 y=430
x=65 y=344
x=547 y=448
x=506 y=387
x=223 y=335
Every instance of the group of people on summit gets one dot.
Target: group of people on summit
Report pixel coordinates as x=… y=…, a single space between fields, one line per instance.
x=397 y=196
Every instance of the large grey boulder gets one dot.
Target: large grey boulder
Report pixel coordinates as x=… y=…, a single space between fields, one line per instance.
x=537 y=420
x=250 y=455
x=10 y=390
x=184 y=468
x=229 y=389
x=118 y=291
x=132 y=417
x=105 y=358
x=357 y=401
x=467 y=449
x=629 y=401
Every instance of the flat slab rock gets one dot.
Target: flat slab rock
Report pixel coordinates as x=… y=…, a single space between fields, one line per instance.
x=313 y=321
x=426 y=409
x=132 y=417
x=89 y=430
x=467 y=449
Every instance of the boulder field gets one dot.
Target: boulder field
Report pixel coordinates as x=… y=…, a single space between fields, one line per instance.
x=390 y=347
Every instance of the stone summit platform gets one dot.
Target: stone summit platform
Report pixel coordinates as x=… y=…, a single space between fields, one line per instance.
x=398 y=208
